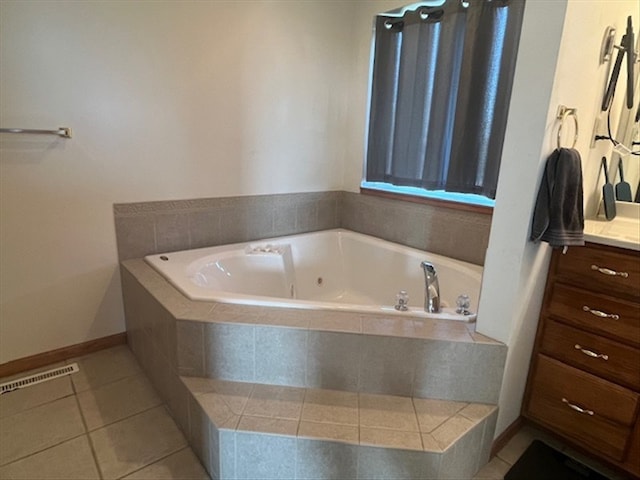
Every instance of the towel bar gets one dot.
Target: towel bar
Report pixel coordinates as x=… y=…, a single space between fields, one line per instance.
x=64 y=132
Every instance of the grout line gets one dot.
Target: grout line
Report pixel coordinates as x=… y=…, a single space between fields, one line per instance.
x=42 y=450
x=415 y=412
x=304 y=399
x=86 y=430
x=185 y=447
x=128 y=417
x=359 y=425
x=36 y=406
x=247 y=402
x=139 y=373
x=505 y=461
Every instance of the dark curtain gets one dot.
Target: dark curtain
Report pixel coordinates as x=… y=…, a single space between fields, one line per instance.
x=440 y=93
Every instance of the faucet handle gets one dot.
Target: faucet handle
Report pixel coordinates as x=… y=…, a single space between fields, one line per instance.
x=402 y=299
x=463 y=303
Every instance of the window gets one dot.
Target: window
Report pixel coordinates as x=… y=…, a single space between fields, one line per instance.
x=440 y=87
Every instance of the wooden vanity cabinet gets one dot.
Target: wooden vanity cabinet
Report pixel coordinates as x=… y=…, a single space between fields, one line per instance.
x=584 y=380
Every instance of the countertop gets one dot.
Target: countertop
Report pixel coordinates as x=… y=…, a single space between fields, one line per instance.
x=623 y=231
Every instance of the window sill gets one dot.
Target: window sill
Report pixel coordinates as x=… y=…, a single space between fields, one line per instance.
x=435 y=202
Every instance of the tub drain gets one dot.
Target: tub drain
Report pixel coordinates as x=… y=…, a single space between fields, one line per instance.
x=319 y=281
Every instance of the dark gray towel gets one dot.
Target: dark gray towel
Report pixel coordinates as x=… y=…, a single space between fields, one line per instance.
x=558 y=217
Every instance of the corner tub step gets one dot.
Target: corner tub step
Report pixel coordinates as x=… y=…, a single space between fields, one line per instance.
x=246 y=430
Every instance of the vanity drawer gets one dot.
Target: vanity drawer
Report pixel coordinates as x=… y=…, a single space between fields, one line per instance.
x=598 y=355
x=617 y=319
x=585 y=408
x=601 y=269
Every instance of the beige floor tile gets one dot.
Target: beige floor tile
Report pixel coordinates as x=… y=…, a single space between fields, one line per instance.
x=67 y=461
x=234 y=394
x=117 y=400
x=515 y=447
x=390 y=439
x=442 y=330
x=126 y=446
x=433 y=413
x=25 y=398
x=215 y=408
x=282 y=318
x=275 y=401
x=389 y=326
x=496 y=469
x=385 y=411
x=275 y=426
x=230 y=424
x=182 y=465
x=451 y=430
x=330 y=406
x=39 y=428
x=329 y=431
x=478 y=337
x=103 y=367
x=477 y=411
x=430 y=444
x=337 y=322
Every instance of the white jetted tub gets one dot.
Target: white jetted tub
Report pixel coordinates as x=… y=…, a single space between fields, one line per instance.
x=333 y=269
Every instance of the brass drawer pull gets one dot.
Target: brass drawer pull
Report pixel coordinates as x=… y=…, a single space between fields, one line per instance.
x=589 y=353
x=601 y=314
x=608 y=271
x=577 y=408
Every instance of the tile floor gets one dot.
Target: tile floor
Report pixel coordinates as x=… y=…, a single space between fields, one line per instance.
x=107 y=422
x=103 y=422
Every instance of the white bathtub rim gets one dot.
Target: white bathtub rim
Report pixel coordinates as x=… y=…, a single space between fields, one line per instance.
x=200 y=294
x=445 y=313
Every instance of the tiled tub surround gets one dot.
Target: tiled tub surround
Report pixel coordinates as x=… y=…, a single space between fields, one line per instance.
x=312 y=348
x=376 y=358
x=455 y=234
x=274 y=393
x=155 y=227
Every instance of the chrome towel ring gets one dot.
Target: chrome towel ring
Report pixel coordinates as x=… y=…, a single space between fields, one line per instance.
x=563 y=113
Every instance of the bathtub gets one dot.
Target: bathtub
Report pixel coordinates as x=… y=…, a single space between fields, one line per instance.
x=334 y=269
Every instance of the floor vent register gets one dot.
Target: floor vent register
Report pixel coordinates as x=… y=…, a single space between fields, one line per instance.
x=38 y=378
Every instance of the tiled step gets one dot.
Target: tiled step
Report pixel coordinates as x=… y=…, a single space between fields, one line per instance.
x=246 y=430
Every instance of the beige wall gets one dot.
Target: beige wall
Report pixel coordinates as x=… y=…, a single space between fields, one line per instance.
x=167 y=100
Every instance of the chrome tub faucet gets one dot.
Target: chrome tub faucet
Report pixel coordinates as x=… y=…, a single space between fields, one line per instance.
x=431 y=288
